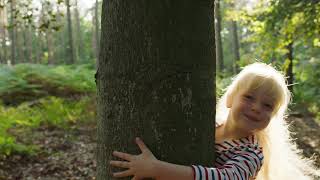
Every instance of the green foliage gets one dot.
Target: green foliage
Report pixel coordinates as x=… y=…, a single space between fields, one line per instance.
x=222 y=81
x=31 y=81
x=306 y=91
x=37 y=81
x=272 y=27
x=50 y=111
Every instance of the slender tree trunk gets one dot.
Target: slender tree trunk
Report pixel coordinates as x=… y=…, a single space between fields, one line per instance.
x=79 y=34
x=4 y=46
x=20 y=48
x=289 y=70
x=40 y=48
x=70 y=47
x=235 y=46
x=3 y=29
x=219 y=50
x=49 y=47
x=25 y=44
x=96 y=42
x=29 y=44
x=59 y=39
x=155 y=80
x=13 y=32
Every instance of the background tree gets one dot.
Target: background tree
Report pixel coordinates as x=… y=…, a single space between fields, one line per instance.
x=78 y=40
x=13 y=31
x=3 y=31
x=156 y=80
x=70 y=47
x=235 y=43
x=96 y=29
x=219 y=46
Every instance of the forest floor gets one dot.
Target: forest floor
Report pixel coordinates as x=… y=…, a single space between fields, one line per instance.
x=70 y=154
x=65 y=154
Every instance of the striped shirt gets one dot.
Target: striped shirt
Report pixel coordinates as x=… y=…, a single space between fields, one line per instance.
x=239 y=159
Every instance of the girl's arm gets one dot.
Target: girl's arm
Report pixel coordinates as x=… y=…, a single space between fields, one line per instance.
x=243 y=165
x=145 y=165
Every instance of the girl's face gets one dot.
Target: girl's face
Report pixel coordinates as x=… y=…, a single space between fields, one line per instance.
x=251 y=110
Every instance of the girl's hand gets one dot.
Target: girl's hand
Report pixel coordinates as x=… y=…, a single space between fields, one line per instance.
x=139 y=166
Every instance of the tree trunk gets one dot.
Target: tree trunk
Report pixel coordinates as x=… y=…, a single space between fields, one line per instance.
x=3 y=35
x=30 y=44
x=79 y=34
x=39 y=48
x=25 y=44
x=289 y=70
x=59 y=39
x=235 y=46
x=4 y=46
x=219 y=46
x=20 y=48
x=70 y=47
x=96 y=38
x=156 y=80
x=13 y=32
x=49 y=47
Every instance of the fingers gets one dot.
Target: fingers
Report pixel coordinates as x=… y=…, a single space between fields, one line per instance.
x=122 y=155
x=141 y=145
x=121 y=164
x=123 y=174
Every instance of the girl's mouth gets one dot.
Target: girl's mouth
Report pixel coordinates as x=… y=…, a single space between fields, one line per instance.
x=251 y=118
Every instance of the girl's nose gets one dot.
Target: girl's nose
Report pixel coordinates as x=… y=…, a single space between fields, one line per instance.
x=256 y=107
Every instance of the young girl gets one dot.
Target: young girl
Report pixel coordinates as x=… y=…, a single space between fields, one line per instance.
x=250 y=118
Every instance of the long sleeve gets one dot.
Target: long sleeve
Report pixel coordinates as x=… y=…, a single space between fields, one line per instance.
x=241 y=165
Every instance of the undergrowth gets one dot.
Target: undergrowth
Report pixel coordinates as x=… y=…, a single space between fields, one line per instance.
x=50 y=111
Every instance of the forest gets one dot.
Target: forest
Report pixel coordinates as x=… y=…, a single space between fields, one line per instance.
x=52 y=52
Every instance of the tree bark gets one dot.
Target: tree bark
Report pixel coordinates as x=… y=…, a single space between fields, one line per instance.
x=25 y=44
x=4 y=46
x=39 y=49
x=219 y=50
x=96 y=38
x=70 y=47
x=235 y=46
x=156 y=80
x=30 y=44
x=79 y=34
x=49 y=47
x=3 y=29
x=13 y=32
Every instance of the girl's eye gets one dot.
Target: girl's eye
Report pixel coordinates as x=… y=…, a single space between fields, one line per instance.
x=269 y=106
x=248 y=97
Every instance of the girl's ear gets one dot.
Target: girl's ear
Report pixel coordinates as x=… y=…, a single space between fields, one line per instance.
x=229 y=101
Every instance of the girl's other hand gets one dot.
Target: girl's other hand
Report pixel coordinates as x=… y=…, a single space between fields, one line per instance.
x=139 y=166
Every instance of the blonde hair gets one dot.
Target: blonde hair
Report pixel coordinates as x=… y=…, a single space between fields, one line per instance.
x=282 y=159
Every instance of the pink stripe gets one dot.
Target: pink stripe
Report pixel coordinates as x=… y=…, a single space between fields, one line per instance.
x=252 y=158
x=245 y=173
x=206 y=171
x=259 y=152
x=228 y=174
x=222 y=146
x=248 y=166
x=194 y=173
x=219 y=176
x=227 y=156
x=235 y=142
x=237 y=176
